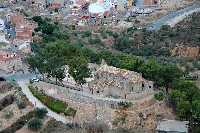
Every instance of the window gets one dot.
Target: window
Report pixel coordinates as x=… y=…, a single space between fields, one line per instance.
x=150 y=87
x=142 y=85
x=112 y=106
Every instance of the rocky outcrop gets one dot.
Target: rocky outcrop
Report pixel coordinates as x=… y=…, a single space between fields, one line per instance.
x=191 y=52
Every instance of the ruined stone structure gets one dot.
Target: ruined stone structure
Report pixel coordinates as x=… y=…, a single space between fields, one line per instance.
x=119 y=83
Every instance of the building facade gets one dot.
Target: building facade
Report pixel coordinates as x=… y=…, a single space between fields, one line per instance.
x=10 y=62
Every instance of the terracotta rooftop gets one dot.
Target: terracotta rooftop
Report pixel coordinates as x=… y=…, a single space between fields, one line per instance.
x=55 y=6
x=150 y=2
x=17 y=19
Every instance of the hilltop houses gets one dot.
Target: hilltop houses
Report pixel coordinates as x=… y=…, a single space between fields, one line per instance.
x=20 y=32
x=23 y=29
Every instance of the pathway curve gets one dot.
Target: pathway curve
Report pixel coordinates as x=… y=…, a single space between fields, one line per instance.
x=173 y=18
x=24 y=85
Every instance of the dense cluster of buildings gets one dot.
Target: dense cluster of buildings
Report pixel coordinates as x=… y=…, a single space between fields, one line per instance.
x=15 y=39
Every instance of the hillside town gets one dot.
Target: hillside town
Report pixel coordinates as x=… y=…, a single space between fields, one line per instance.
x=99 y=66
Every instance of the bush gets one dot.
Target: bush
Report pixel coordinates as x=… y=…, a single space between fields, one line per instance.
x=8 y=114
x=86 y=34
x=120 y=120
x=21 y=104
x=95 y=40
x=40 y=112
x=70 y=112
x=124 y=104
x=35 y=124
x=104 y=35
x=159 y=96
x=53 y=104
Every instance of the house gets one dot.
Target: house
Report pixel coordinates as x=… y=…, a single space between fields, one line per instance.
x=151 y=3
x=55 y=4
x=20 y=32
x=16 y=19
x=24 y=32
x=116 y=82
x=194 y=75
x=9 y=61
x=23 y=28
x=147 y=3
x=172 y=126
x=41 y=4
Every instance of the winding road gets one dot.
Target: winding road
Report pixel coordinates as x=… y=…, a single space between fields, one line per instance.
x=173 y=18
x=23 y=80
x=24 y=85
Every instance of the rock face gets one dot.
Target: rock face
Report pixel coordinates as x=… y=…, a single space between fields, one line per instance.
x=192 y=52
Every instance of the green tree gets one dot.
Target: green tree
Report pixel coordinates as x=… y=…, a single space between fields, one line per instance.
x=185 y=97
x=123 y=43
x=196 y=108
x=40 y=112
x=59 y=74
x=38 y=19
x=169 y=73
x=151 y=70
x=78 y=68
x=184 y=109
x=35 y=124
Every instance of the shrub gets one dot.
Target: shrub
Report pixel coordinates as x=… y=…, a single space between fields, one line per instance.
x=95 y=40
x=104 y=35
x=120 y=120
x=86 y=34
x=40 y=112
x=35 y=124
x=53 y=104
x=8 y=114
x=70 y=112
x=96 y=126
x=124 y=104
x=159 y=96
x=21 y=104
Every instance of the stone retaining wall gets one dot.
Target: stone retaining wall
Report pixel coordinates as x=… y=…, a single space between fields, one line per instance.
x=88 y=110
x=79 y=96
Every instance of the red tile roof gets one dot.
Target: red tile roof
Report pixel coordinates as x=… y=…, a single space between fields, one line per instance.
x=150 y=2
x=17 y=19
x=23 y=29
x=55 y=6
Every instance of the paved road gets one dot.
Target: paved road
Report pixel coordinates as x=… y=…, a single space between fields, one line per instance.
x=23 y=81
x=174 y=17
